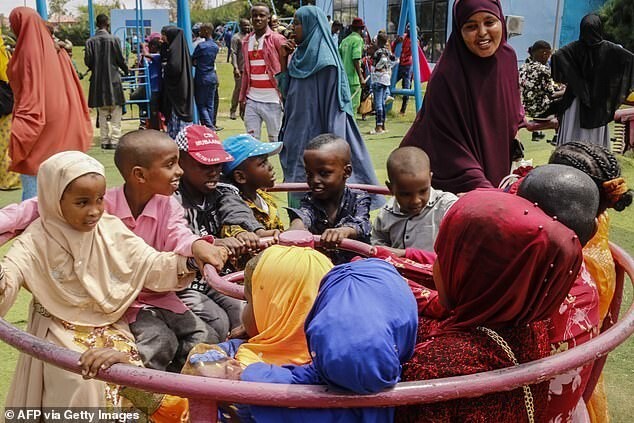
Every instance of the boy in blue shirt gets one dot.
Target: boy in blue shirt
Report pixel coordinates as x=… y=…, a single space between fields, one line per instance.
x=155 y=69
x=206 y=80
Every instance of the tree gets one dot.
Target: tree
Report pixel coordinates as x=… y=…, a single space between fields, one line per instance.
x=58 y=7
x=194 y=5
x=618 y=21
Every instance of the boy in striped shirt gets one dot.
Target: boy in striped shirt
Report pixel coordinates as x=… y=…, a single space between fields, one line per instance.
x=260 y=100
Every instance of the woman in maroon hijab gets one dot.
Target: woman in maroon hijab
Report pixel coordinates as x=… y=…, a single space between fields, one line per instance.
x=503 y=267
x=472 y=106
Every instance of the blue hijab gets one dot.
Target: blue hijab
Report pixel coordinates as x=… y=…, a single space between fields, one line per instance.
x=361 y=328
x=318 y=50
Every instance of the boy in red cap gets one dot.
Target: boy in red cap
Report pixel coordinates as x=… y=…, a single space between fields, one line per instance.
x=209 y=205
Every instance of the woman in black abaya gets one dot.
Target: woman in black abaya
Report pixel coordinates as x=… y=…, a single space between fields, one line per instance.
x=599 y=75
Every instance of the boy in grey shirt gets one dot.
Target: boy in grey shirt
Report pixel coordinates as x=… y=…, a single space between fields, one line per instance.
x=411 y=219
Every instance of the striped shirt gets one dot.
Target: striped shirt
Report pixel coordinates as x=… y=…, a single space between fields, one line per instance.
x=262 y=89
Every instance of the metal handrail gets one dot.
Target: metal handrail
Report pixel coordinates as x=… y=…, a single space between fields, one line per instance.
x=228 y=285
x=303 y=187
x=205 y=392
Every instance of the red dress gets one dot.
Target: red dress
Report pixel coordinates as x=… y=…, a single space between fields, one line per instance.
x=469 y=352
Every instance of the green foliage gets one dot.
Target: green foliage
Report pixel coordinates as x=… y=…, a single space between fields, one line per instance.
x=79 y=33
x=76 y=34
x=58 y=7
x=286 y=9
x=232 y=11
x=618 y=20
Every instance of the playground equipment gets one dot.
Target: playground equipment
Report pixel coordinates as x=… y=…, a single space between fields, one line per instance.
x=408 y=16
x=623 y=130
x=205 y=393
x=137 y=82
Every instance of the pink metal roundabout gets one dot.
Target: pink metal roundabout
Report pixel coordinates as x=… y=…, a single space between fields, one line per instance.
x=205 y=393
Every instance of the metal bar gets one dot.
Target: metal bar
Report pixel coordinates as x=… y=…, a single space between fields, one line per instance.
x=413 y=36
x=557 y=30
x=41 y=9
x=230 y=284
x=279 y=395
x=203 y=411
x=313 y=396
x=184 y=22
x=400 y=31
x=273 y=7
x=91 y=18
x=303 y=187
x=408 y=15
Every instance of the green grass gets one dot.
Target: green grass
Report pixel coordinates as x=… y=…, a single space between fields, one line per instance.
x=620 y=368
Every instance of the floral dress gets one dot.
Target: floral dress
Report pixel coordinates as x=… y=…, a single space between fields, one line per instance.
x=537 y=87
x=8 y=180
x=576 y=322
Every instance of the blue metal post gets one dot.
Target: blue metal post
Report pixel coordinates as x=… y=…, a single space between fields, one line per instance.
x=184 y=21
x=142 y=35
x=91 y=18
x=41 y=9
x=408 y=15
x=413 y=36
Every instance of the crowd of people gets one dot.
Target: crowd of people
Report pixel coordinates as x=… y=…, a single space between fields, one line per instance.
x=464 y=277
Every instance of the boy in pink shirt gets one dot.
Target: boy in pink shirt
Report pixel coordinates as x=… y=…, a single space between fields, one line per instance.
x=163 y=326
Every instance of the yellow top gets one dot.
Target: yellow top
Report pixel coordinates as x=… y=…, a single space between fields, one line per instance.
x=4 y=60
x=284 y=287
x=600 y=264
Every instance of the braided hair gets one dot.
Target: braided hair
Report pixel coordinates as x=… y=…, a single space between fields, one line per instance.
x=599 y=163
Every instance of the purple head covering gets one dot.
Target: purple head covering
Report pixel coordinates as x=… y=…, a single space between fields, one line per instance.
x=472 y=109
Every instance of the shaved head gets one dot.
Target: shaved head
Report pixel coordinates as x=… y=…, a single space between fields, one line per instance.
x=407 y=160
x=564 y=192
x=140 y=148
x=333 y=144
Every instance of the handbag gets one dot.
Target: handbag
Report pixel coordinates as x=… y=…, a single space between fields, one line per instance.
x=6 y=99
x=365 y=106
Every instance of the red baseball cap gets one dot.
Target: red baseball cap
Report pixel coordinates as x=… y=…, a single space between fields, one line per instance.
x=202 y=144
x=357 y=23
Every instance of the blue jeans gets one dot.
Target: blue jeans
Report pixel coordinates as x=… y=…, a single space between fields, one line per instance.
x=29 y=186
x=380 y=92
x=205 y=102
x=405 y=74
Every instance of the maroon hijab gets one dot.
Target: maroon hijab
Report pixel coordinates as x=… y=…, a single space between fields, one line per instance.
x=503 y=262
x=472 y=109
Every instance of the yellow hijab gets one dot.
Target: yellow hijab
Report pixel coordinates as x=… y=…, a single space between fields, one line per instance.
x=4 y=60
x=85 y=278
x=284 y=287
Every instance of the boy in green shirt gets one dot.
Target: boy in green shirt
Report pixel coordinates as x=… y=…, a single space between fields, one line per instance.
x=351 y=51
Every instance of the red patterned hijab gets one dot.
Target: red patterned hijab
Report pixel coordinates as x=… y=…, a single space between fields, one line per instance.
x=503 y=262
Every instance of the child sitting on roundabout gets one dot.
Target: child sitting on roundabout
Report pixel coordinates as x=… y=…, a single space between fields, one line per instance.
x=84 y=269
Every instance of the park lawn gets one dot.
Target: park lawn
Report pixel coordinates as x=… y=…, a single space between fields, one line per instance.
x=619 y=372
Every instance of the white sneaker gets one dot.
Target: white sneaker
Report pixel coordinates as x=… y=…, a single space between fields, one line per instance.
x=389 y=99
